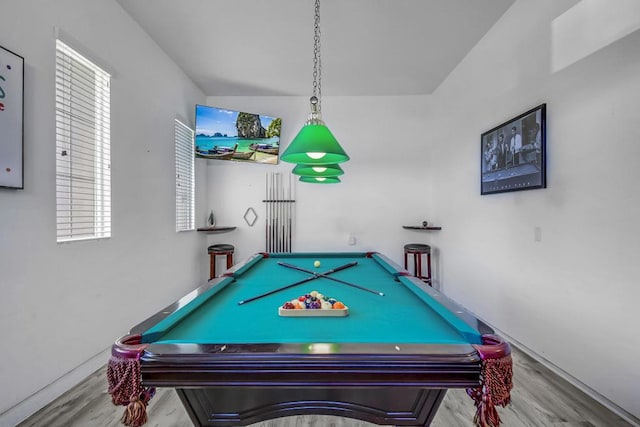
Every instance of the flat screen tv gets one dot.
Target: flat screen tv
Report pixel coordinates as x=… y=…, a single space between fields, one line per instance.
x=223 y=134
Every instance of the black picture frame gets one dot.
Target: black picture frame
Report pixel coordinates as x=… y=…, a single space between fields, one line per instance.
x=513 y=154
x=11 y=120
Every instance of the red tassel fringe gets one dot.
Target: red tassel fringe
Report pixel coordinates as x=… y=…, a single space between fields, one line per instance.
x=125 y=388
x=496 y=382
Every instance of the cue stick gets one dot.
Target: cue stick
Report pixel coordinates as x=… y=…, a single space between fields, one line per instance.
x=275 y=208
x=273 y=211
x=266 y=224
x=277 y=202
x=279 y=214
x=286 y=220
x=268 y=212
x=289 y=225
x=285 y=216
x=299 y=282
x=282 y=206
x=285 y=203
x=291 y=196
x=283 y=228
x=283 y=225
x=295 y=267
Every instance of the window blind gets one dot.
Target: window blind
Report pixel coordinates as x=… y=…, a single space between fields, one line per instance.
x=83 y=154
x=185 y=181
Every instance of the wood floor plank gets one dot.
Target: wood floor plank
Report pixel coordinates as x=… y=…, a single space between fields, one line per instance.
x=539 y=399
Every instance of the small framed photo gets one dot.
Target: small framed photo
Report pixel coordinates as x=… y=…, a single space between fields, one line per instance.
x=11 y=115
x=513 y=154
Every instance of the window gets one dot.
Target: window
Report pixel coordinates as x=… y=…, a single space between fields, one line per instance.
x=83 y=176
x=185 y=182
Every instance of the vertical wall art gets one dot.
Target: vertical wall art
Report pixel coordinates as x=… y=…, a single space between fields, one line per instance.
x=513 y=154
x=11 y=117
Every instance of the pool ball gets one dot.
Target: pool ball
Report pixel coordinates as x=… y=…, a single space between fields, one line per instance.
x=316 y=264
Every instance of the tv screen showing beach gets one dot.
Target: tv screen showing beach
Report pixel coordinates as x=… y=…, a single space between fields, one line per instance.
x=223 y=134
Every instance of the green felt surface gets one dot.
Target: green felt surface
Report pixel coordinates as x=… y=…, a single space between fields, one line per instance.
x=405 y=314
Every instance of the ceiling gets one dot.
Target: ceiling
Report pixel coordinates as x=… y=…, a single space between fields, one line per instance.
x=265 y=47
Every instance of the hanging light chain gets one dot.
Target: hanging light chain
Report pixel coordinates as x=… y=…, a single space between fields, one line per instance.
x=317 y=61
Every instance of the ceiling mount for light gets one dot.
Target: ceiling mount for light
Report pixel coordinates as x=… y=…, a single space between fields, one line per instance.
x=315 y=144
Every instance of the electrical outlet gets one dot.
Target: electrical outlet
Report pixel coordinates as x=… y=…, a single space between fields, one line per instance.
x=537 y=234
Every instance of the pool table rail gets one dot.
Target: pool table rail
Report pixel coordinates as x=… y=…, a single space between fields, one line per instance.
x=455 y=308
x=179 y=304
x=284 y=365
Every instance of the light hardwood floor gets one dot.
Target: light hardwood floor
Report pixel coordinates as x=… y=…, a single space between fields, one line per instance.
x=539 y=398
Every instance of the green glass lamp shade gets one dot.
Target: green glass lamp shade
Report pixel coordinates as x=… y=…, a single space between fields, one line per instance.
x=320 y=179
x=318 y=170
x=314 y=145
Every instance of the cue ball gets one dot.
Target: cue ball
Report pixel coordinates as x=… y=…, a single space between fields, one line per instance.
x=316 y=264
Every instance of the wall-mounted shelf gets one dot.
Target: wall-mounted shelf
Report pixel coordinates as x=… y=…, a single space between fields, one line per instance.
x=419 y=227
x=216 y=229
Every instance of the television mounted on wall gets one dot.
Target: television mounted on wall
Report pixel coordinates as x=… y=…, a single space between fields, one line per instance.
x=224 y=134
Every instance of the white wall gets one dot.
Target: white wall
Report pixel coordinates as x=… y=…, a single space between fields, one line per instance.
x=572 y=297
x=385 y=185
x=62 y=304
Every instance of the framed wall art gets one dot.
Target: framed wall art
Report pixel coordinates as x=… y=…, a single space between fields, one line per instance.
x=513 y=154
x=11 y=119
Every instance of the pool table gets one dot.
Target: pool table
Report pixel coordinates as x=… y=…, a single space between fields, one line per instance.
x=234 y=360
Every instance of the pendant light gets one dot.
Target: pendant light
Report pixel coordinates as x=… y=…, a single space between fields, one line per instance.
x=320 y=180
x=315 y=144
x=318 y=170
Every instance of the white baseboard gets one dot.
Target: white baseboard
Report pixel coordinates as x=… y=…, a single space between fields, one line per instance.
x=41 y=398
